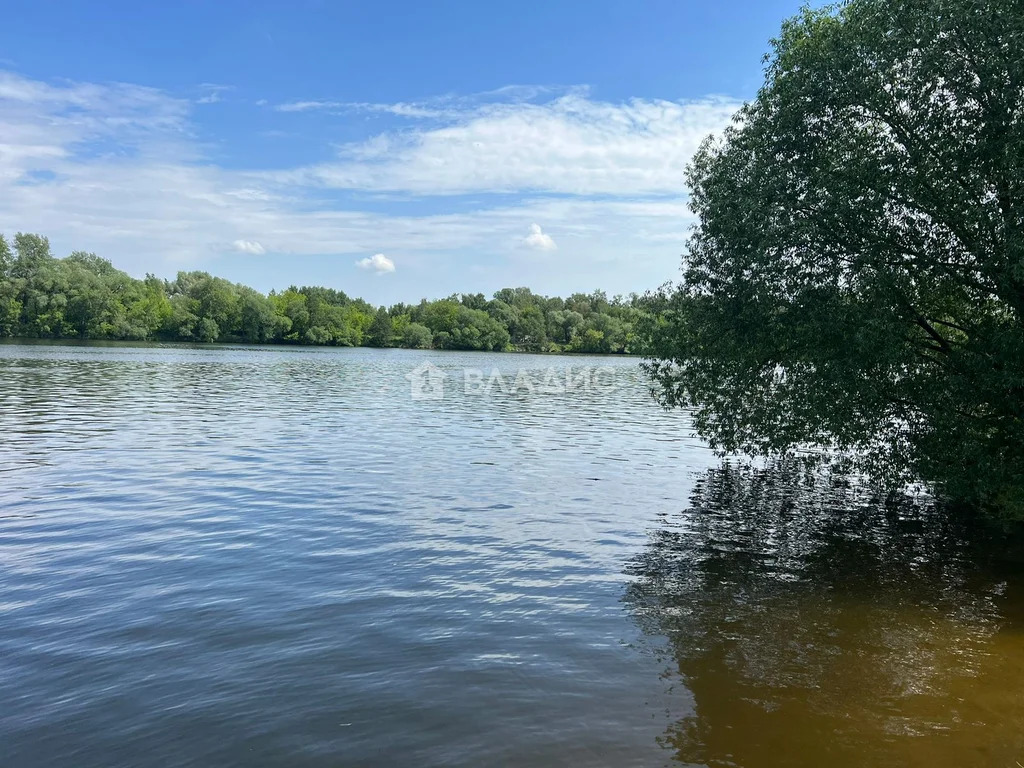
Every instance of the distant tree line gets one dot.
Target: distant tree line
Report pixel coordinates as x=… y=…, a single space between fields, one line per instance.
x=83 y=296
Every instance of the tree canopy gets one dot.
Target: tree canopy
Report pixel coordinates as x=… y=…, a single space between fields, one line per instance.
x=855 y=280
x=84 y=297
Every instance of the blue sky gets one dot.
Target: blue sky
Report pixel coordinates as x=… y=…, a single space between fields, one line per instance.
x=393 y=150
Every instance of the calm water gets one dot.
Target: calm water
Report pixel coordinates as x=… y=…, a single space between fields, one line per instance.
x=277 y=557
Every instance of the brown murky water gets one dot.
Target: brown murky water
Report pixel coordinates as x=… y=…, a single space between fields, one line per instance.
x=813 y=625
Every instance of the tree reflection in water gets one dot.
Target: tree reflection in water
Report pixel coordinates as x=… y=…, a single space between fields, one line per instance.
x=814 y=624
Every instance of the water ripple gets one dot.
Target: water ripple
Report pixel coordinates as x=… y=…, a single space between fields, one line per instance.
x=277 y=557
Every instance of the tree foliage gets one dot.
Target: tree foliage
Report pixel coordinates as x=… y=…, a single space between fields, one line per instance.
x=856 y=278
x=84 y=297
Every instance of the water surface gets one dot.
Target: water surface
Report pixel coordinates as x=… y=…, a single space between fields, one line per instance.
x=278 y=557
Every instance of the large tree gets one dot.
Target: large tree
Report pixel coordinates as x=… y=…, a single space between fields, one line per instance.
x=856 y=277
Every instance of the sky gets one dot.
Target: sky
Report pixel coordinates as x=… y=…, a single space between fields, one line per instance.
x=394 y=150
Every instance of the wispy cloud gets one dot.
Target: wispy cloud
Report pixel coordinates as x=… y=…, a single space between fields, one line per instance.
x=450 y=105
x=571 y=145
x=400 y=109
x=211 y=93
x=307 y=106
x=117 y=168
x=249 y=246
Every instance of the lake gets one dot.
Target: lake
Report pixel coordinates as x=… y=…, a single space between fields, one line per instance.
x=245 y=556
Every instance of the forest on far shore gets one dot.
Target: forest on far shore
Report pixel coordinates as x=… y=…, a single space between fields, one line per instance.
x=83 y=296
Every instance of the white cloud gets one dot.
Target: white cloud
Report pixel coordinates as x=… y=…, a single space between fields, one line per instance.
x=400 y=109
x=450 y=106
x=306 y=106
x=571 y=145
x=211 y=93
x=118 y=169
x=379 y=263
x=39 y=119
x=249 y=246
x=538 y=240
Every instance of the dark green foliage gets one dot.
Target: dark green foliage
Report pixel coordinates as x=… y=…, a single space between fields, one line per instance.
x=381 y=330
x=85 y=297
x=416 y=336
x=856 y=279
